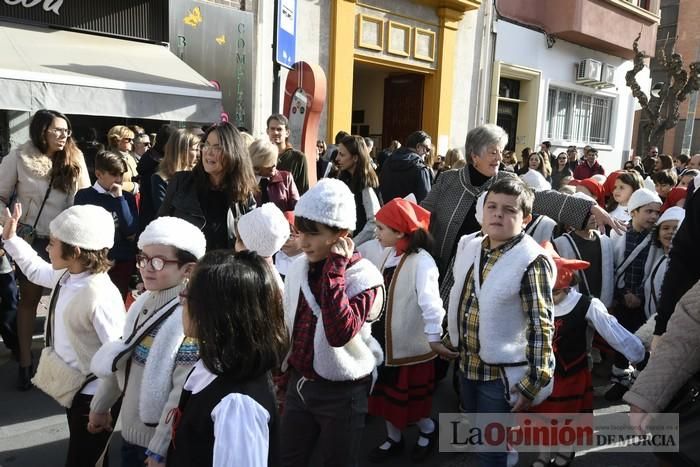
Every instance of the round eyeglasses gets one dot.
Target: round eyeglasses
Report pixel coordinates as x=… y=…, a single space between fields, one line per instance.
x=157 y=263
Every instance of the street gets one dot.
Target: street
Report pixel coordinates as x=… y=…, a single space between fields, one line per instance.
x=34 y=433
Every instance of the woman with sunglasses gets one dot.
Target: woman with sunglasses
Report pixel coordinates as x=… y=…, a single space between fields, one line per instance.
x=560 y=170
x=43 y=174
x=218 y=191
x=120 y=140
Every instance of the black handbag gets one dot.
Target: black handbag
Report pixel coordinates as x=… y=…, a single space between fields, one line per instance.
x=686 y=404
x=28 y=232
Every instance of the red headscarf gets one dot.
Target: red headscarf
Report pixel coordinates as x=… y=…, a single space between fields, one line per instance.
x=609 y=184
x=566 y=268
x=403 y=216
x=594 y=187
x=674 y=196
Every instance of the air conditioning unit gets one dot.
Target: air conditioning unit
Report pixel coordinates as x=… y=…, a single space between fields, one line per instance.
x=607 y=77
x=588 y=71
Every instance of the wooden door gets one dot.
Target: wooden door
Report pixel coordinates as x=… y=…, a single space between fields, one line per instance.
x=403 y=107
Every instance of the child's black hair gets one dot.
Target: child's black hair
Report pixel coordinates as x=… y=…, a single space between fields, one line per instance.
x=308 y=226
x=235 y=306
x=420 y=239
x=665 y=177
x=183 y=257
x=513 y=186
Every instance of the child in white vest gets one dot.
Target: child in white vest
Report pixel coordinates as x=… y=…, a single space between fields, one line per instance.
x=573 y=382
x=151 y=360
x=86 y=310
x=263 y=230
x=502 y=294
x=329 y=296
x=631 y=252
x=409 y=330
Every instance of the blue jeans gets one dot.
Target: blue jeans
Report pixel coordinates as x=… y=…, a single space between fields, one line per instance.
x=132 y=454
x=485 y=397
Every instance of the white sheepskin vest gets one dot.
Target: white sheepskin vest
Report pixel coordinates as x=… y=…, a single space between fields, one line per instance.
x=362 y=354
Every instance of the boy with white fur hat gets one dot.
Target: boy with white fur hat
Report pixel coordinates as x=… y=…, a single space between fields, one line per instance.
x=631 y=251
x=86 y=310
x=151 y=360
x=330 y=295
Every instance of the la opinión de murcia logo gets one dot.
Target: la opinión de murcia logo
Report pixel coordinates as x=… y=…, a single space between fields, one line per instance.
x=49 y=5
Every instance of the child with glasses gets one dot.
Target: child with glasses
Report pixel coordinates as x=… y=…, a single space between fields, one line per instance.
x=151 y=361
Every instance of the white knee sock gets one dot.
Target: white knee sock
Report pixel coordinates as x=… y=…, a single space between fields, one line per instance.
x=393 y=433
x=427 y=426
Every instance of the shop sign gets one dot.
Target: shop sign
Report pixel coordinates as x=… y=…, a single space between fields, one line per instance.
x=49 y=5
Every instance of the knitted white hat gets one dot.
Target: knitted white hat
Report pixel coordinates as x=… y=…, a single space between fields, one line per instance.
x=264 y=230
x=599 y=178
x=672 y=214
x=535 y=180
x=329 y=202
x=642 y=197
x=580 y=194
x=649 y=184
x=86 y=226
x=175 y=232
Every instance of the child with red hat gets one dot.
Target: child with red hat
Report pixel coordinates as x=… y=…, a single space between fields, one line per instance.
x=573 y=313
x=409 y=331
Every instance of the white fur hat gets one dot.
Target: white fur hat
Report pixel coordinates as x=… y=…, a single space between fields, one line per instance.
x=582 y=195
x=672 y=214
x=329 y=202
x=649 y=184
x=642 y=197
x=536 y=180
x=264 y=230
x=175 y=232
x=599 y=178
x=86 y=226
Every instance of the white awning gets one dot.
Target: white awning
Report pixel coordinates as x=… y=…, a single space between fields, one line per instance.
x=86 y=74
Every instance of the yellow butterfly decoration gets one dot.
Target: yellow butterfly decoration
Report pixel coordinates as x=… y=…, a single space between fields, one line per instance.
x=221 y=40
x=193 y=17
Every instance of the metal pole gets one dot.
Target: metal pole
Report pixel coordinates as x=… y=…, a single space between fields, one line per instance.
x=275 y=66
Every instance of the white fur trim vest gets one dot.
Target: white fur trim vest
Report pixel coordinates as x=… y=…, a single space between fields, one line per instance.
x=654 y=272
x=502 y=321
x=160 y=364
x=406 y=343
x=362 y=354
x=541 y=229
x=565 y=248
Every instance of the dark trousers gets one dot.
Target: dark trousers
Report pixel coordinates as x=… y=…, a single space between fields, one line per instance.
x=631 y=319
x=330 y=415
x=9 y=296
x=133 y=455
x=84 y=448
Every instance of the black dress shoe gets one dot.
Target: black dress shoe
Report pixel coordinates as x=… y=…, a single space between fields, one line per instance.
x=378 y=455
x=24 y=377
x=420 y=453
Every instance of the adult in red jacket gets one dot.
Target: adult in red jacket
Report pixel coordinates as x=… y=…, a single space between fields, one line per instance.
x=590 y=167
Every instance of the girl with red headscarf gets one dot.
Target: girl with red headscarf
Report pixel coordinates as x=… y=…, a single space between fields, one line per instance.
x=573 y=313
x=409 y=331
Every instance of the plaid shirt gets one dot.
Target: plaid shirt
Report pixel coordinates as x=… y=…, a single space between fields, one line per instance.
x=342 y=317
x=634 y=274
x=536 y=298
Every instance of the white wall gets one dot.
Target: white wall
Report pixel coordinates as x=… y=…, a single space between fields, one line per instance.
x=521 y=46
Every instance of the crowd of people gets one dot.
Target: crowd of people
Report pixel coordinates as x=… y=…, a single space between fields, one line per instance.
x=230 y=312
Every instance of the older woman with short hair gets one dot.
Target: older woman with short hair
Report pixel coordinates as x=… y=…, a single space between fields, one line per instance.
x=120 y=140
x=276 y=186
x=452 y=199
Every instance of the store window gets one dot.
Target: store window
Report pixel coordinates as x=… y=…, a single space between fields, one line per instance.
x=576 y=117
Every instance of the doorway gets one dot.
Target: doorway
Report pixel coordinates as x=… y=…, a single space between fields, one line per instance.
x=403 y=107
x=508 y=120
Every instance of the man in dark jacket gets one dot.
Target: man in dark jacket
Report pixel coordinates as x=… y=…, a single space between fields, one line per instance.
x=405 y=172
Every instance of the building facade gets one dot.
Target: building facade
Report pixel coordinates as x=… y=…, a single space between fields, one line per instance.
x=558 y=72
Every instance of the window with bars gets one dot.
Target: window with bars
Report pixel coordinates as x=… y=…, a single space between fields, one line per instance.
x=577 y=117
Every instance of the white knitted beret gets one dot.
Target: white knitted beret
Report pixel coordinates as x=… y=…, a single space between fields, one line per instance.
x=642 y=197
x=329 y=202
x=535 y=180
x=264 y=230
x=175 y=232
x=582 y=195
x=86 y=226
x=672 y=214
